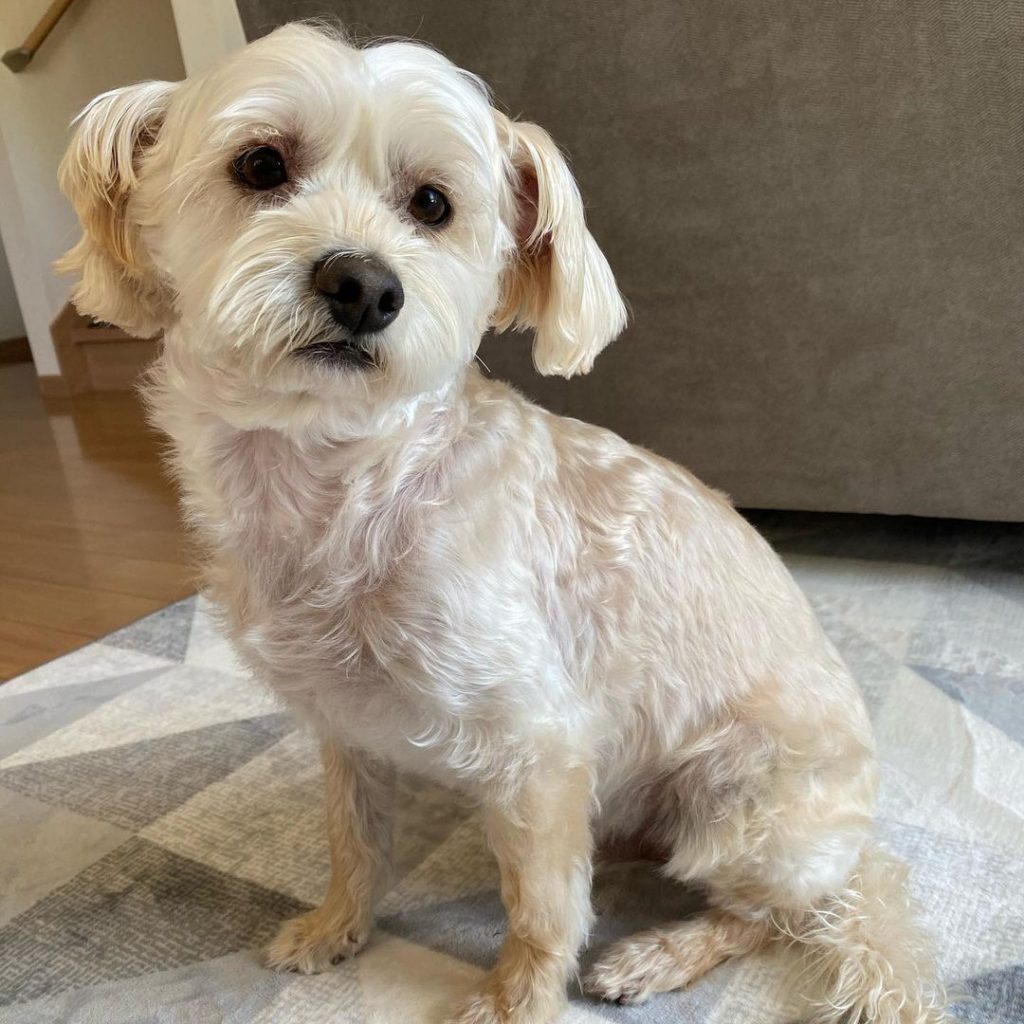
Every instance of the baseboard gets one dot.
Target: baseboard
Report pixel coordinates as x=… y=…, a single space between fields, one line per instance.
x=98 y=357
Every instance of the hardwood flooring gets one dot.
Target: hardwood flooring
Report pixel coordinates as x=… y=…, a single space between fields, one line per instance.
x=90 y=537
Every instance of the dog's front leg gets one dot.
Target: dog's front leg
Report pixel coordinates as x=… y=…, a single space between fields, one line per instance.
x=541 y=837
x=359 y=834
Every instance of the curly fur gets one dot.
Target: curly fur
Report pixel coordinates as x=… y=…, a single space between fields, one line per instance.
x=865 y=953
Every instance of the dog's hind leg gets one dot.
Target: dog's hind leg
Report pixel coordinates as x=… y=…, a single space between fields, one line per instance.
x=359 y=835
x=866 y=959
x=775 y=823
x=672 y=957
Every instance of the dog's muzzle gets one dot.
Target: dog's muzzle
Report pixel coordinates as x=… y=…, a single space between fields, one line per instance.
x=363 y=295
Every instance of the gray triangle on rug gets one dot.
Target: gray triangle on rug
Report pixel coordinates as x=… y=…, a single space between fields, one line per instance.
x=164 y=633
x=139 y=910
x=133 y=784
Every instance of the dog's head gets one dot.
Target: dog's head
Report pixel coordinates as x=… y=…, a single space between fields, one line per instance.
x=317 y=227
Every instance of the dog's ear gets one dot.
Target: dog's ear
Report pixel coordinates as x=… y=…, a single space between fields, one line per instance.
x=559 y=282
x=99 y=174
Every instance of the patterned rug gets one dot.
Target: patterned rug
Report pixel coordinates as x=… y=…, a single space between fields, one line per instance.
x=159 y=815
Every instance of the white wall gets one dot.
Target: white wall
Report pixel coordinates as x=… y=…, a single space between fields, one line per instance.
x=99 y=44
x=207 y=30
x=11 y=324
x=27 y=272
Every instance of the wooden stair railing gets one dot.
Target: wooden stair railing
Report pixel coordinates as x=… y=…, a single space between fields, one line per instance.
x=18 y=59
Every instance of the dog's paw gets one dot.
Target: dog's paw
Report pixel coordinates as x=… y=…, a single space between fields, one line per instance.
x=629 y=972
x=480 y=1008
x=485 y=1007
x=315 y=942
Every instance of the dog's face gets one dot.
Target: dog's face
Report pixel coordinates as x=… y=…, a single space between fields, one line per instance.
x=325 y=232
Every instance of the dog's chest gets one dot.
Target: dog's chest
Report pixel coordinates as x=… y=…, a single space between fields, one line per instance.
x=308 y=564
x=394 y=607
x=322 y=580
x=366 y=656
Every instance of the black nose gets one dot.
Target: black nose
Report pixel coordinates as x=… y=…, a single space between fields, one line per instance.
x=364 y=293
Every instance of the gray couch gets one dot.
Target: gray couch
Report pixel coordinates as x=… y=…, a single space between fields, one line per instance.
x=815 y=209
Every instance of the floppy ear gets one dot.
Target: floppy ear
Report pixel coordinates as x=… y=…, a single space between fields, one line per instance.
x=99 y=174
x=559 y=282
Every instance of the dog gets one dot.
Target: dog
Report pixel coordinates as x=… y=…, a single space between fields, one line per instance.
x=437 y=575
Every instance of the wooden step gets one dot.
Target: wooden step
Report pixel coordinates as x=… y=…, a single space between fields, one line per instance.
x=96 y=356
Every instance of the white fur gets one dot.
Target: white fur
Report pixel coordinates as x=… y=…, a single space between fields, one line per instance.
x=432 y=571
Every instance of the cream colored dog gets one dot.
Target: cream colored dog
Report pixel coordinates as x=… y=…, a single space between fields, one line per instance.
x=436 y=574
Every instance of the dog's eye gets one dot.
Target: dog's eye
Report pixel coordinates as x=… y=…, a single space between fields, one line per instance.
x=430 y=206
x=261 y=168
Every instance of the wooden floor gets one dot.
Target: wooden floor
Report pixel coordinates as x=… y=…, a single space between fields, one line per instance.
x=90 y=538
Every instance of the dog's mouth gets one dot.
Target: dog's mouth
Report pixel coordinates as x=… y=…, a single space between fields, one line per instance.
x=343 y=352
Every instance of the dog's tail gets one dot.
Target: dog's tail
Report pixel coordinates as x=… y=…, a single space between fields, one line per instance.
x=866 y=952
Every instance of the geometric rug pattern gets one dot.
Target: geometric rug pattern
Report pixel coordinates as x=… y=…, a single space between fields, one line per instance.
x=160 y=815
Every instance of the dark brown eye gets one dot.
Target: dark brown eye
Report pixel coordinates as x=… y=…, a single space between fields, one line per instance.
x=430 y=206
x=261 y=168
